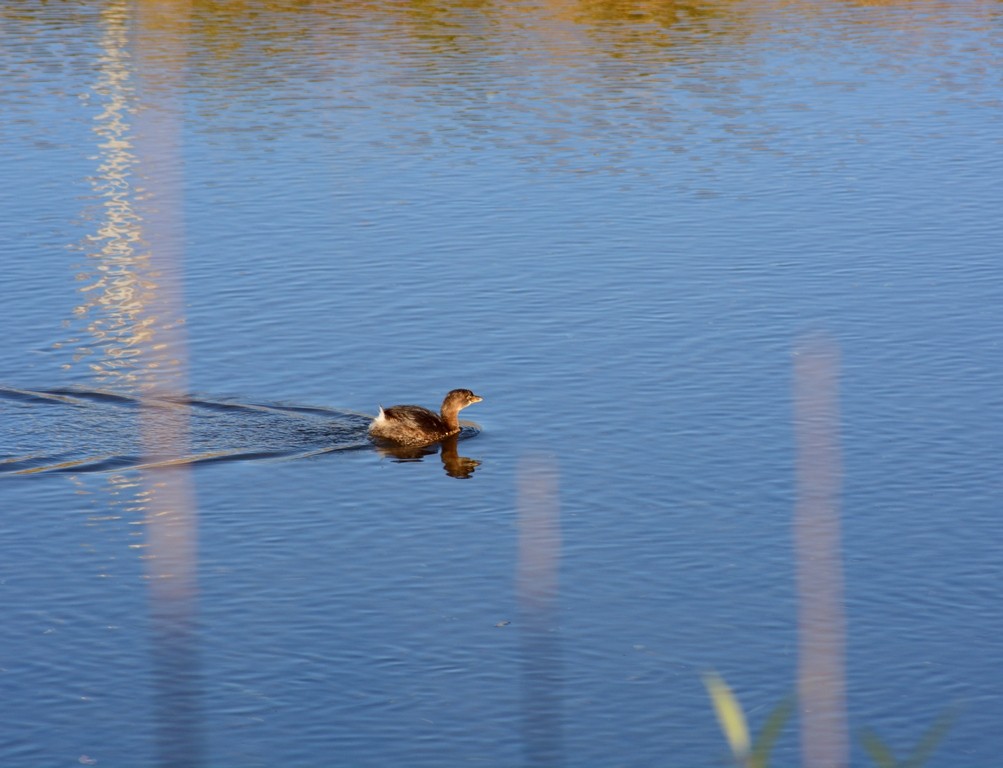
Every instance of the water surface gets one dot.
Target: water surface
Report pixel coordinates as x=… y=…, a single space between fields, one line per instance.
x=231 y=231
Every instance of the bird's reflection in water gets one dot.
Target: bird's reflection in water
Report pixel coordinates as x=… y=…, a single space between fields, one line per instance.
x=454 y=464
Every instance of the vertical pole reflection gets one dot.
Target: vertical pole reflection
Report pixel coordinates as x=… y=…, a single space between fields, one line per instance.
x=159 y=46
x=821 y=622
x=537 y=588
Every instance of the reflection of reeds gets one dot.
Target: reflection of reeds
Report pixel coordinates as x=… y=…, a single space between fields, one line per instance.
x=821 y=696
x=821 y=699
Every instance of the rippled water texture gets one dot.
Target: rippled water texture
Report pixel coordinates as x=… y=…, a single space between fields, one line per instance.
x=87 y=431
x=727 y=275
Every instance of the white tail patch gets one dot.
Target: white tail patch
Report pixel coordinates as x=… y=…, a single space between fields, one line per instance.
x=379 y=421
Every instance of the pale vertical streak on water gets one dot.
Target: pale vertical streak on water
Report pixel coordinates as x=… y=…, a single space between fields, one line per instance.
x=821 y=620
x=538 y=590
x=157 y=47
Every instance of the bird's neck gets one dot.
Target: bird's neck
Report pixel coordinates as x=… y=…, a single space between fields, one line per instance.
x=450 y=415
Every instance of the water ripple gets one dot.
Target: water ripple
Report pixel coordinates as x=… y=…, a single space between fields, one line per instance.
x=86 y=430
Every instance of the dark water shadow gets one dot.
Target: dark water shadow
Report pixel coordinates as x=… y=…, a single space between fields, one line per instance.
x=461 y=467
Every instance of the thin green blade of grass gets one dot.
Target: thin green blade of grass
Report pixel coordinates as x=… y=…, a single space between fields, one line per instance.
x=882 y=755
x=771 y=732
x=877 y=750
x=931 y=739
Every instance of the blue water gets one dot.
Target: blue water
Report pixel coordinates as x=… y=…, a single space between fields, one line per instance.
x=229 y=237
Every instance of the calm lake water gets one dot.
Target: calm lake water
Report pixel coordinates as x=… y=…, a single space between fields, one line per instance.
x=727 y=275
